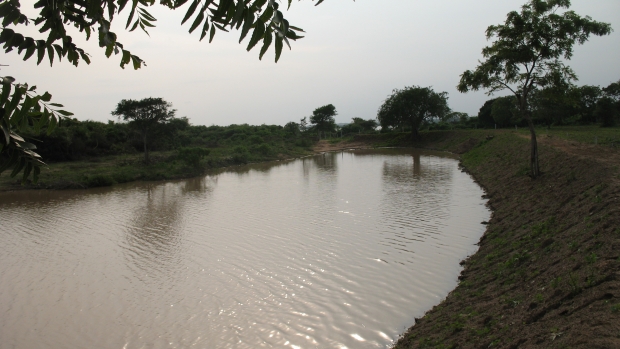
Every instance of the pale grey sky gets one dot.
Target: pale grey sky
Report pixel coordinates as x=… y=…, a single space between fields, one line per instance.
x=353 y=55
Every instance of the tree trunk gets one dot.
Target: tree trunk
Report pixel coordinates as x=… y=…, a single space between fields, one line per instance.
x=146 y=149
x=534 y=169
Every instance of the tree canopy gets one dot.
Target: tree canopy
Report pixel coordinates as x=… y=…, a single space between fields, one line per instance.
x=527 y=54
x=144 y=115
x=412 y=106
x=323 y=118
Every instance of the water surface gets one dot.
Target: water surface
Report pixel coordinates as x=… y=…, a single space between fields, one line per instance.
x=340 y=250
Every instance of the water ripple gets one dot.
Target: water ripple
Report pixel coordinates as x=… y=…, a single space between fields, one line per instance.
x=340 y=250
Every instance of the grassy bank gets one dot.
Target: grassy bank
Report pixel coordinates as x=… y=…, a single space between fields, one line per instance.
x=97 y=171
x=547 y=274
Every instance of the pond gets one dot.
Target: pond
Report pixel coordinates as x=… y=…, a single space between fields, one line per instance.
x=339 y=250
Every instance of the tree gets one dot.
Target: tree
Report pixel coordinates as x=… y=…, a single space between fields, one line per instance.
x=144 y=115
x=613 y=91
x=608 y=106
x=360 y=125
x=292 y=128
x=303 y=124
x=606 y=112
x=366 y=125
x=94 y=18
x=484 y=114
x=587 y=97
x=411 y=107
x=527 y=54
x=502 y=111
x=323 y=118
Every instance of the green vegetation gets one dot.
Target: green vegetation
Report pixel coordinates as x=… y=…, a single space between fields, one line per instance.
x=91 y=154
x=322 y=119
x=144 y=115
x=412 y=106
x=24 y=108
x=526 y=56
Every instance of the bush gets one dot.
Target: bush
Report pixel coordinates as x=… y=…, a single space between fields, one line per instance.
x=264 y=149
x=240 y=154
x=99 y=181
x=191 y=156
x=256 y=139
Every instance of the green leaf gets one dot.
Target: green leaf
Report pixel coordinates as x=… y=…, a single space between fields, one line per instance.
x=6 y=92
x=50 y=54
x=238 y=12
x=296 y=28
x=190 y=11
x=27 y=171
x=278 y=47
x=85 y=57
x=259 y=31
x=205 y=29
x=64 y=112
x=46 y=97
x=147 y=15
x=40 y=51
x=35 y=175
x=15 y=100
x=5 y=131
x=211 y=33
x=247 y=25
x=197 y=21
x=52 y=122
x=266 y=15
x=132 y=13
x=266 y=43
x=20 y=165
x=126 y=58
x=137 y=63
x=12 y=161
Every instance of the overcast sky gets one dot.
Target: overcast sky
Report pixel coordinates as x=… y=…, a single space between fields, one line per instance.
x=353 y=55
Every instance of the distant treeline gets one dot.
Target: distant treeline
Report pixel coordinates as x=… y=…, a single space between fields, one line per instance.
x=75 y=139
x=572 y=105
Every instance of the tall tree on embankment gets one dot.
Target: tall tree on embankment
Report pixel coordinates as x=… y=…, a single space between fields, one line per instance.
x=323 y=119
x=412 y=106
x=144 y=115
x=527 y=55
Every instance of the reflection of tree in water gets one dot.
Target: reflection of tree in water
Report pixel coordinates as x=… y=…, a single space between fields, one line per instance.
x=326 y=162
x=417 y=195
x=431 y=170
x=197 y=186
x=155 y=233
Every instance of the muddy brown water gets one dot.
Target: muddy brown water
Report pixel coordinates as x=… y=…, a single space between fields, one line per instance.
x=340 y=250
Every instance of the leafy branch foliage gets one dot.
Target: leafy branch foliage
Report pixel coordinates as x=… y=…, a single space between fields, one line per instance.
x=90 y=17
x=21 y=108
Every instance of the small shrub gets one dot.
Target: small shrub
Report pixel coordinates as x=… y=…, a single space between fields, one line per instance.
x=255 y=139
x=191 y=156
x=99 y=181
x=240 y=154
x=263 y=148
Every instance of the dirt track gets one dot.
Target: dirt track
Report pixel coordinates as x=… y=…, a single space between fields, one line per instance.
x=325 y=146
